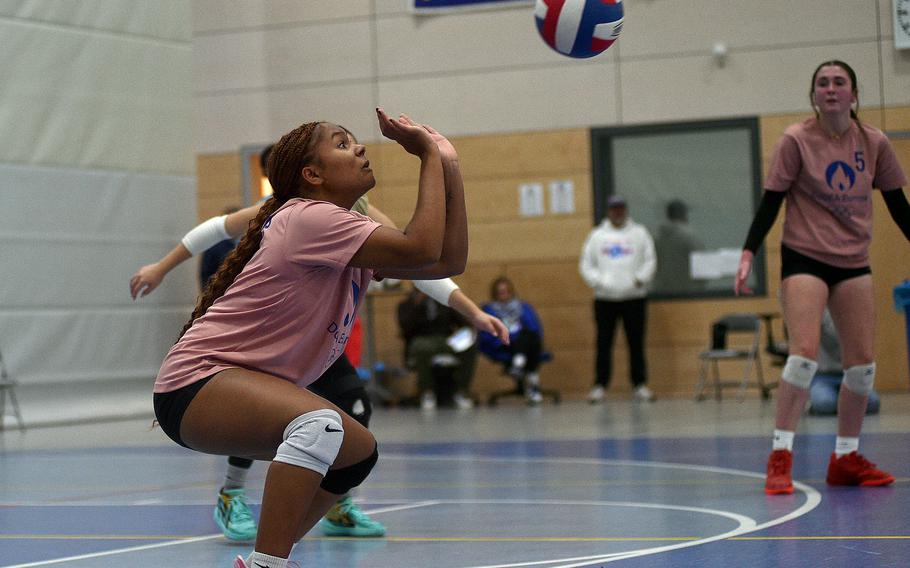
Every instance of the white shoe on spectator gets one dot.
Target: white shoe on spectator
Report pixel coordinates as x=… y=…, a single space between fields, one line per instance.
x=534 y=397
x=428 y=401
x=462 y=402
x=596 y=395
x=644 y=394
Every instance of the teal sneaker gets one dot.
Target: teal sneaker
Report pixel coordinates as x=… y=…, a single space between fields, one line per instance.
x=346 y=519
x=233 y=516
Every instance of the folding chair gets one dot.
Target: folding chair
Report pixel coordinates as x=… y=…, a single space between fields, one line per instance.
x=735 y=337
x=8 y=387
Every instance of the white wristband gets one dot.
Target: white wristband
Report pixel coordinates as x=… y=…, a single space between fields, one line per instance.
x=439 y=290
x=205 y=235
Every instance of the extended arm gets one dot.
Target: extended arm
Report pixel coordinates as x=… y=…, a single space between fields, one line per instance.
x=200 y=238
x=899 y=209
x=420 y=244
x=761 y=224
x=454 y=253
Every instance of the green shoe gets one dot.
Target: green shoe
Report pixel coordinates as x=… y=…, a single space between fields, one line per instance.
x=233 y=516
x=346 y=519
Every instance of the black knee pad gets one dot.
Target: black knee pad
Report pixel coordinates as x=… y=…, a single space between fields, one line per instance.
x=356 y=404
x=340 y=481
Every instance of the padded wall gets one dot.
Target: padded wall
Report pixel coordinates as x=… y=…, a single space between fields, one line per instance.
x=96 y=179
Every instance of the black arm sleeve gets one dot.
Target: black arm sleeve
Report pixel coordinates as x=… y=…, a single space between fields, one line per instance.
x=764 y=218
x=899 y=209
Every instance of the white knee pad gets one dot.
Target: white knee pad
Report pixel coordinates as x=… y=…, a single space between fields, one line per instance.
x=312 y=440
x=798 y=371
x=859 y=379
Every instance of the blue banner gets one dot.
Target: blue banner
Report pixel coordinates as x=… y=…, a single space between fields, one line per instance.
x=442 y=6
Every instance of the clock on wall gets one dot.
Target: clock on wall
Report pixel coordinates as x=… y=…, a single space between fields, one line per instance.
x=901 y=23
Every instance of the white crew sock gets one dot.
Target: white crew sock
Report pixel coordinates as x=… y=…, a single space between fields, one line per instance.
x=844 y=446
x=235 y=478
x=260 y=560
x=783 y=440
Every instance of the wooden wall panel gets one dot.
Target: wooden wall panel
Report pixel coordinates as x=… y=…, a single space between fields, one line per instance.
x=219 y=184
x=540 y=255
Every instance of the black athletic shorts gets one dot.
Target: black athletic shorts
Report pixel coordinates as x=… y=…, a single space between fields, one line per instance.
x=171 y=406
x=339 y=384
x=793 y=262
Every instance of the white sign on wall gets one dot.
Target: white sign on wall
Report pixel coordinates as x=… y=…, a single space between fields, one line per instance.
x=562 y=197
x=530 y=199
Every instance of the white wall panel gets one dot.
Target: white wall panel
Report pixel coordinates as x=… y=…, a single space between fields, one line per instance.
x=508 y=101
x=483 y=40
x=94 y=100
x=164 y=19
x=73 y=346
x=214 y=15
x=96 y=180
x=69 y=242
x=120 y=206
x=662 y=28
x=489 y=71
x=300 y=55
x=750 y=83
x=229 y=121
x=896 y=75
x=350 y=105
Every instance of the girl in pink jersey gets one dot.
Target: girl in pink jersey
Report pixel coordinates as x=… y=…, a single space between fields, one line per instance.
x=278 y=313
x=826 y=167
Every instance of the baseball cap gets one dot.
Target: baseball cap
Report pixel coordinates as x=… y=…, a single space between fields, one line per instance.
x=616 y=201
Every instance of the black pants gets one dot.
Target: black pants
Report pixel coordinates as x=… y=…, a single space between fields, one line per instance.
x=634 y=315
x=528 y=344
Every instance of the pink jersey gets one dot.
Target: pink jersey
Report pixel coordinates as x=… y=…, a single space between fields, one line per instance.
x=829 y=186
x=290 y=310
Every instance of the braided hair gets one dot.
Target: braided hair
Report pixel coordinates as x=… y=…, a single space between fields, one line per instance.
x=286 y=161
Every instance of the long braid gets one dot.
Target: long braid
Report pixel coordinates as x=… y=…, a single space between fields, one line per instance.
x=286 y=161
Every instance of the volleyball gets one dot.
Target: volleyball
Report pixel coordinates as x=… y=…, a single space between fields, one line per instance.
x=579 y=28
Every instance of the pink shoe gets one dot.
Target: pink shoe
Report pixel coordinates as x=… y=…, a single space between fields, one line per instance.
x=239 y=562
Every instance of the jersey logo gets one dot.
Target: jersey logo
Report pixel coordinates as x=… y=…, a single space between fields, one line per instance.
x=616 y=250
x=840 y=176
x=356 y=291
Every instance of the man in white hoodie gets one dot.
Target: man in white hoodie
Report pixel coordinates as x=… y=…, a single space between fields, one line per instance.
x=618 y=262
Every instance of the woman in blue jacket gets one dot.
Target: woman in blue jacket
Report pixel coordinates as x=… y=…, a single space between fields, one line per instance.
x=522 y=356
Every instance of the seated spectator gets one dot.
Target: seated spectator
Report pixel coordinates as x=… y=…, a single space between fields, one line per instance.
x=521 y=358
x=429 y=330
x=825 y=387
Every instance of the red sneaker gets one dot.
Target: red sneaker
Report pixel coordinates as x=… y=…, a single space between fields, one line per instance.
x=779 y=480
x=854 y=469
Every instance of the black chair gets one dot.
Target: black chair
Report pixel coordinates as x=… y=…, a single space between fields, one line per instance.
x=519 y=389
x=734 y=337
x=777 y=350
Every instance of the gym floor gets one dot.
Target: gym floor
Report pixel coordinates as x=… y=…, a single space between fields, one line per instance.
x=673 y=483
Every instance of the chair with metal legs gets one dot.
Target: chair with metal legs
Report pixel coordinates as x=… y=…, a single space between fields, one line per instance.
x=8 y=389
x=724 y=348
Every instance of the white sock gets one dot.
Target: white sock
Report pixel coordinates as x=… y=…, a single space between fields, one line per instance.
x=260 y=560
x=519 y=360
x=844 y=446
x=533 y=379
x=783 y=440
x=235 y=478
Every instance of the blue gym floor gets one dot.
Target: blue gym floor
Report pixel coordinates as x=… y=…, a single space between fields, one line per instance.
x=674 y=483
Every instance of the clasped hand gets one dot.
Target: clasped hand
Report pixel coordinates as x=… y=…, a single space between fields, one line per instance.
x=415 y=138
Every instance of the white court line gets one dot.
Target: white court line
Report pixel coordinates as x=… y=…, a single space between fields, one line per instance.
x=747 y=525
x=116 y=551
x=813 y=498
